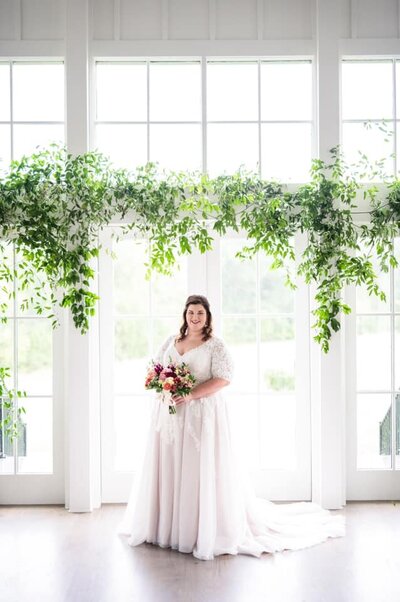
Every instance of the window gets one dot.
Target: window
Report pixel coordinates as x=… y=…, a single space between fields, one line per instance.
x=378 y=374
x=252 y=119
x=150 y=112
x=207 y=115
x=31 y=108
x=26 y=347
x=145 y=313
x=258 y=326
x=31 y=115
x=370 y=112
x=257 y=323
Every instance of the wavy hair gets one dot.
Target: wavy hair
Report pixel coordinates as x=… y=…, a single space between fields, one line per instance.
x=207 y=329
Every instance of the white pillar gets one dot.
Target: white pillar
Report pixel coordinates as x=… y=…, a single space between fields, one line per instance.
x=82 y=417
x=327 y=370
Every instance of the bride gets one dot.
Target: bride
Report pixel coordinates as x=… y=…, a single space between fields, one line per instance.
x=193 y=494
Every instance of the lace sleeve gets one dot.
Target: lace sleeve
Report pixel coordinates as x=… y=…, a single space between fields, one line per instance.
x=159 y=358
x=221 y=361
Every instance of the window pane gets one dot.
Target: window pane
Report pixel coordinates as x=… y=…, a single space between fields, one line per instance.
x=7 y=349
x=5 y=93
x=398 y=146
x=231 y=145
x=126 y=145
x=175 y=92
x=7 y=458
x=278 y=83
x=278 y=427
x=240 y=336
x=131 y=290
x=397 y=277
x=169 y=292
x=371 y=303
x=176 y=147
x=238 y=279
x=24 y=305
x=28 y=138
x=35 y=358
x=38 y=92
x=397 y=353
x=163 y=328
x=275 y=297
x=131 y=422
x=131 y=348
x=397 y=89
x=232 y=92
x=6 y=288
x=121 y=92
x=244 y=422
x=277 y=354
x=373 y=353
x=370 y=141
x=374 y=431
x=5 y=147
x=367 y=90
x=35 y=445
x=286 y=151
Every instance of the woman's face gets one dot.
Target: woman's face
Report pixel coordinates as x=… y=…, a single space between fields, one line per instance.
x=196 y=317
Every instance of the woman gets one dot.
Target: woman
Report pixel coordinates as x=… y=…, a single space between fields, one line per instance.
x=192 y=495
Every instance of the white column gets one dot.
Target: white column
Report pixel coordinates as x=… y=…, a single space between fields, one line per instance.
x=82 y=417
x=327 y=370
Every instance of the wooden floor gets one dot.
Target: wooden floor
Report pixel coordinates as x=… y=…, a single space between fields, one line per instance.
x=49 y=554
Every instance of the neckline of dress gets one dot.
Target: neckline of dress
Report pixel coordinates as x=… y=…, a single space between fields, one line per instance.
x=192 y=349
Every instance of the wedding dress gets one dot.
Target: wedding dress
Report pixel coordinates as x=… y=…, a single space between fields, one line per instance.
x=192 y=496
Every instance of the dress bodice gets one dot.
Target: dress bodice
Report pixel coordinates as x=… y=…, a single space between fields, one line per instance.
x=211 y=359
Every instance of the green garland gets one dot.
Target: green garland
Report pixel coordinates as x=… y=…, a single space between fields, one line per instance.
x=53 y=205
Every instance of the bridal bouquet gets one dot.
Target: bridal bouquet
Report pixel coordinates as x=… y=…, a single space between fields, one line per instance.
x=173 y=378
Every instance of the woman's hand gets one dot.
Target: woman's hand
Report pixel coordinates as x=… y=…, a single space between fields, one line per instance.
x=178 y=399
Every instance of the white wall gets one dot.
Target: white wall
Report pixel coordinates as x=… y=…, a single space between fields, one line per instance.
x=44 y=20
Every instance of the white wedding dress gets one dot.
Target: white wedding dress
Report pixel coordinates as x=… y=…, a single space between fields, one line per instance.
x=192 y=495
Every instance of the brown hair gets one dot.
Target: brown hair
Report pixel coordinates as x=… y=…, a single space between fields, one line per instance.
x=207 y=329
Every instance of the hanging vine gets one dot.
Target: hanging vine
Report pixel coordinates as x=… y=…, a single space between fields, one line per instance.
x=53 y=206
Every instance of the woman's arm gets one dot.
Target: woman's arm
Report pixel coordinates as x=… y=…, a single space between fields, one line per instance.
x=203 y=390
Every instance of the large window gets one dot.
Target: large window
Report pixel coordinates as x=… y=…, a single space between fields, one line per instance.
x=211 y=116
x=207 y=115
x=31 y=115
x=370 y=112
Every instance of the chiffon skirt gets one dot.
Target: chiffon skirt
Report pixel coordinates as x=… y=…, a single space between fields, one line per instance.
x=193 y=494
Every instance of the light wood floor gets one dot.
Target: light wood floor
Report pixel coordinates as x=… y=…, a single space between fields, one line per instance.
x=50 y=555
